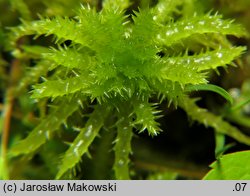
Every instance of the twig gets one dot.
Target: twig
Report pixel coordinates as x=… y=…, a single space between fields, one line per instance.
x=189 y=170
x=7 y=113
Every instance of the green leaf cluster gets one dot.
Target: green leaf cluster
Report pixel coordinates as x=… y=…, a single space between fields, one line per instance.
x=115 y=68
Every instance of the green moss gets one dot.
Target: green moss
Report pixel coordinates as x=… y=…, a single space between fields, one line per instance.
x=115 y=68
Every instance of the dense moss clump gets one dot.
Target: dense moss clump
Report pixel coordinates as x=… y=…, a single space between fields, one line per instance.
x=106 y=70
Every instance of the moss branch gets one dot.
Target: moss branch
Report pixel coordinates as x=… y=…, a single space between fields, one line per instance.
x=43 y=131
x=209 y=119
x=123 y=149
x=84 y=139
